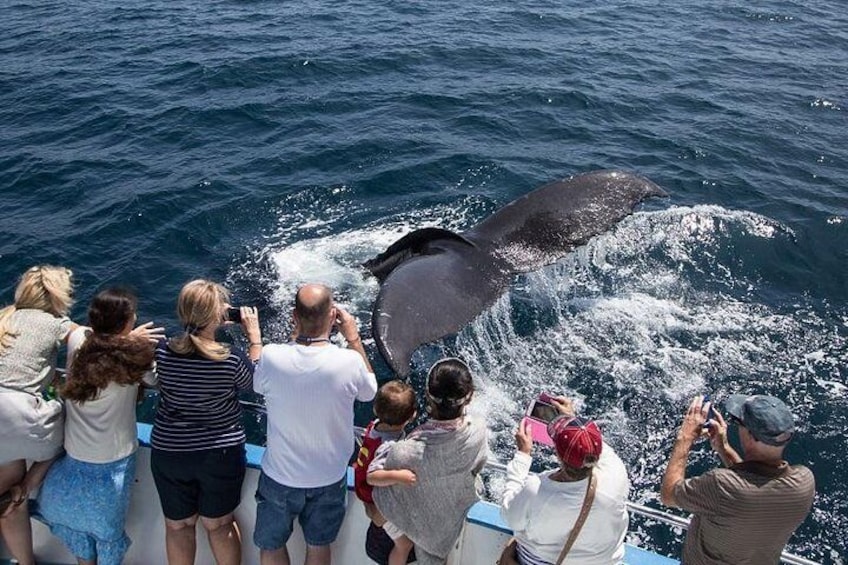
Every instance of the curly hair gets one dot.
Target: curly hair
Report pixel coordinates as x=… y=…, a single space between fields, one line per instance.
x=107 y=356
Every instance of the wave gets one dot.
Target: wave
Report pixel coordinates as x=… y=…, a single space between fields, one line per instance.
x=669 y=304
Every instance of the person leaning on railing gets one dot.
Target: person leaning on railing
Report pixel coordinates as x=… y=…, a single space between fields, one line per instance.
x=446 y=453
x=310 y=386
x=198 y=455
x=31 y=424
x=86 y=494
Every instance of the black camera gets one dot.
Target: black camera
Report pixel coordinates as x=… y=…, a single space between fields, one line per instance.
x=234 y=315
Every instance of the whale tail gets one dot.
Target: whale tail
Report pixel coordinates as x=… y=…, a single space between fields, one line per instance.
x=434 y=281
x=412 y=244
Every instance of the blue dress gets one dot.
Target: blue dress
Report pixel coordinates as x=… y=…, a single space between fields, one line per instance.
x=85 y=505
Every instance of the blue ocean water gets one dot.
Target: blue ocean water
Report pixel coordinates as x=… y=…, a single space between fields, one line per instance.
x=264 y=144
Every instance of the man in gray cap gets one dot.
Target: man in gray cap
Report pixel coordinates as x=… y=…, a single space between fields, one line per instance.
x=744 y=513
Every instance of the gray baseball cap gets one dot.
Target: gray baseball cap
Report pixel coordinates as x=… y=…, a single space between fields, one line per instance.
x=767 y=418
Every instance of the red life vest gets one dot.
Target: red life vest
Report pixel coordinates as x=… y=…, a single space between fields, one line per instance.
x=360 y=467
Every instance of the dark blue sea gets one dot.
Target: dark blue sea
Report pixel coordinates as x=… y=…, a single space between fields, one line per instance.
x=263 y=144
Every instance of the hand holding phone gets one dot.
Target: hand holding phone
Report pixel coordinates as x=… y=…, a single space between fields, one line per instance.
x=523 y=439
x=234 y=315
x=347 y=325
x=538 y=415
x=710 y=413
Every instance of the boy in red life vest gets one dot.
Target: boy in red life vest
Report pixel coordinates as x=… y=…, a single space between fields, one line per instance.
x=395 y=407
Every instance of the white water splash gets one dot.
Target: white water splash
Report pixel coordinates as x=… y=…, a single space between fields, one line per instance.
x=633 y=324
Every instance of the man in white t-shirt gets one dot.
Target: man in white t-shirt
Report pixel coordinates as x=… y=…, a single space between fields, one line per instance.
x=310 y=386
x=542 y=509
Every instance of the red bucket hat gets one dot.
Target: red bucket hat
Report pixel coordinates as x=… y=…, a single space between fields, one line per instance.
x=578 y=442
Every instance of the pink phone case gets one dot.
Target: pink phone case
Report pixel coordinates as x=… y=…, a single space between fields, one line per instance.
x=538 y=431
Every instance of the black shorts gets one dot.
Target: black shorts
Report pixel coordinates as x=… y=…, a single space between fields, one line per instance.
x=206 y=482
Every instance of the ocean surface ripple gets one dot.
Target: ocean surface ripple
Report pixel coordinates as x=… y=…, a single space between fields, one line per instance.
x=265 y=144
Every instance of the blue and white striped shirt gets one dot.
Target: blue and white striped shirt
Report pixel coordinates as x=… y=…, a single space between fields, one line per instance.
x=198 y=403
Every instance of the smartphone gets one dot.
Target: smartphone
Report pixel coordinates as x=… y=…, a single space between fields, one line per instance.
x=710 y=413
x=234 y=315
x=543 y=411
x=538 y=415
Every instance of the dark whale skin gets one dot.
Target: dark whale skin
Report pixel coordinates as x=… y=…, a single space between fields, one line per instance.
x=434 y=281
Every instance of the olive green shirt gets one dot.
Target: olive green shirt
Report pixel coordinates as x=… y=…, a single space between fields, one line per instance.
x=745 y=514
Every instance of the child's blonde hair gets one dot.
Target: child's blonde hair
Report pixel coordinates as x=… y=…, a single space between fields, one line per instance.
x=200 y=304
x=43 y=287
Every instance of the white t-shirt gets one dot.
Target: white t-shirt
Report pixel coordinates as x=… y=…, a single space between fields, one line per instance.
x=309 y=395
x=542 y=511
x=101 y=430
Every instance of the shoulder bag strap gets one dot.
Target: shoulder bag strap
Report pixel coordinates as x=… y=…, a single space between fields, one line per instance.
x=584 y=512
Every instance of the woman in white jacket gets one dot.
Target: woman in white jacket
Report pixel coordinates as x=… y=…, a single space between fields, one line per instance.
x=543 y=509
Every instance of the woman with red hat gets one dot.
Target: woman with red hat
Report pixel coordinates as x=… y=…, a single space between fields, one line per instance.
x=549 y=512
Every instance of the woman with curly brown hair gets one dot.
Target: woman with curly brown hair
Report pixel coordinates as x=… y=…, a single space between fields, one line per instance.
x=85 y=496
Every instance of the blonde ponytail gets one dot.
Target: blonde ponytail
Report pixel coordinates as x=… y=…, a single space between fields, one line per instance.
x=201 y=303
x=187 y=344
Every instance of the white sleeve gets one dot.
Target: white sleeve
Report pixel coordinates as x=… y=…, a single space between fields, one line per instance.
x=260 y=372
x=367 y=388
x=75 y=340
x=516 y=499
x=151 y=378
x=63 y=327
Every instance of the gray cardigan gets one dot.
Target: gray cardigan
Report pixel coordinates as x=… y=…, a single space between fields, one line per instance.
x=431 y=513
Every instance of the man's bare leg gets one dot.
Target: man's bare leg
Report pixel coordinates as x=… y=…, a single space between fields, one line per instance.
x=318 y=555
x=274 y=556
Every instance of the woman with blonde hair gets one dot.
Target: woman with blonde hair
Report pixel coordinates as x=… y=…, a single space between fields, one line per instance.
x=198 y=455
x=86 y=494
x=31 y=424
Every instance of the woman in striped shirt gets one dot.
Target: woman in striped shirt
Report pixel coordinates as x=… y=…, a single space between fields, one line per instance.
x=198 y=456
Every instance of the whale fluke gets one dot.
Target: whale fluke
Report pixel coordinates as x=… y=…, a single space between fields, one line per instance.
x=434 y=281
